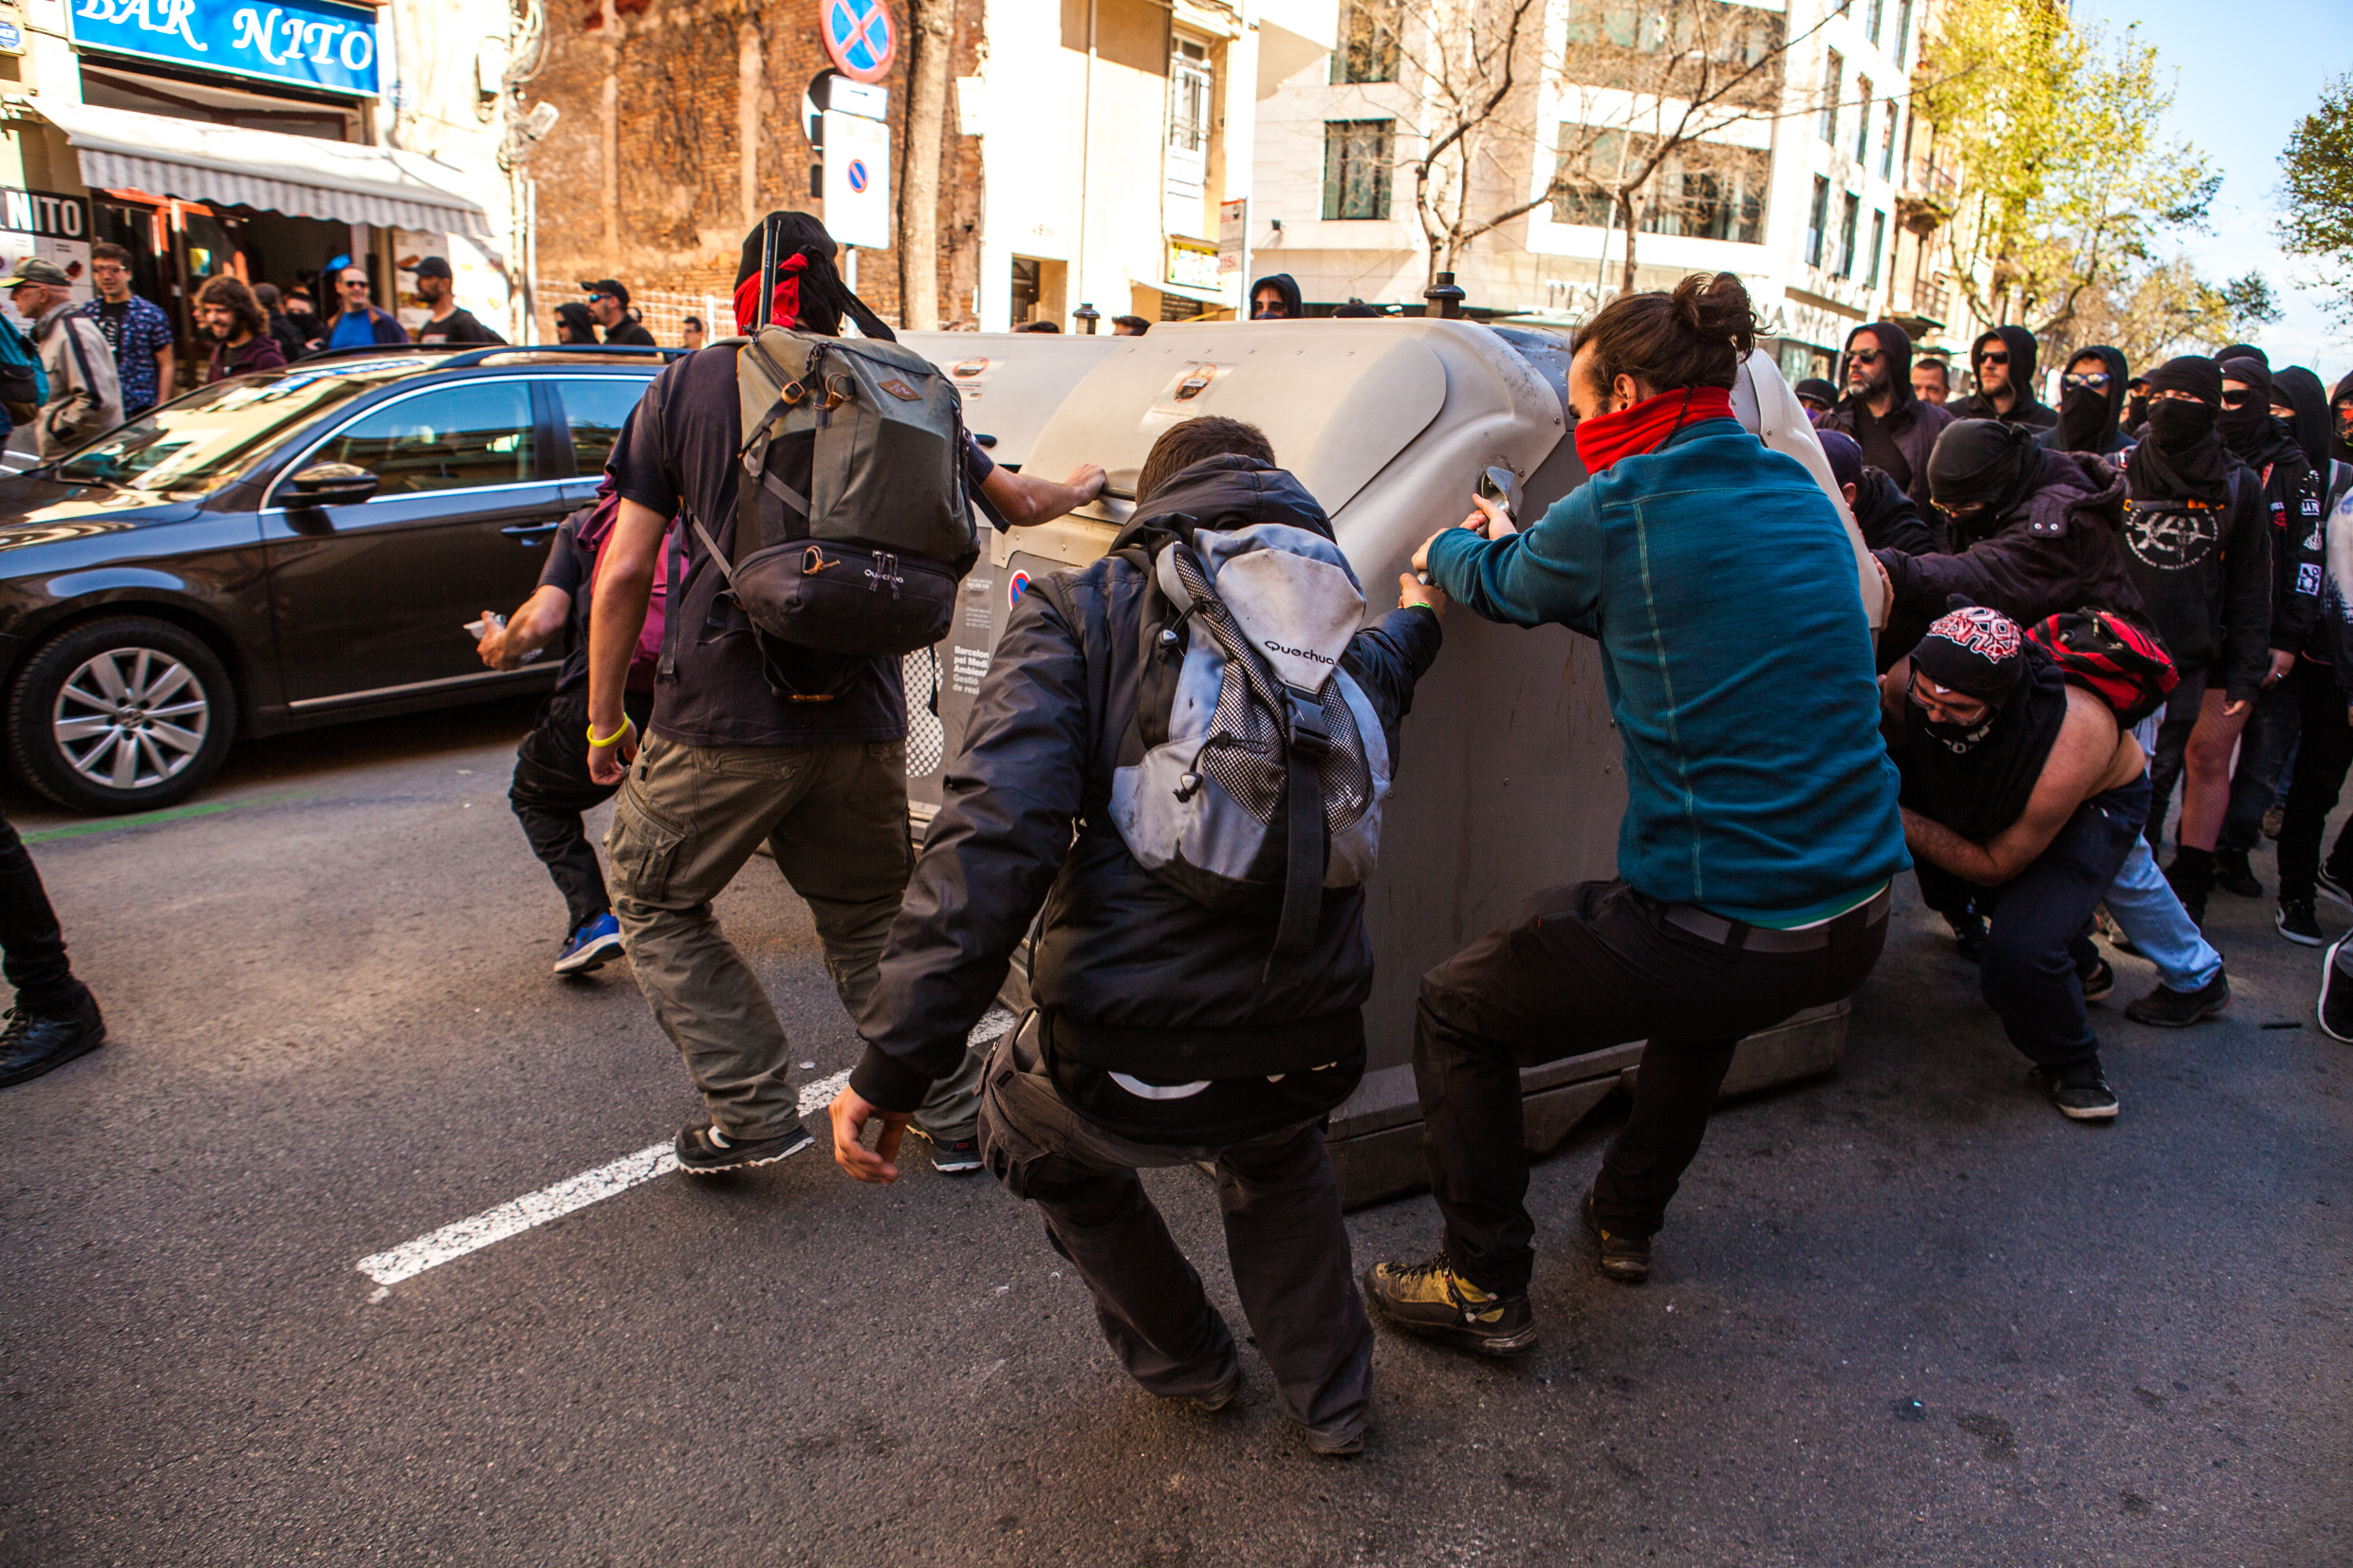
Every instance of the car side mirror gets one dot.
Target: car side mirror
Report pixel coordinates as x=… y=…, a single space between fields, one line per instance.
x=333 y=484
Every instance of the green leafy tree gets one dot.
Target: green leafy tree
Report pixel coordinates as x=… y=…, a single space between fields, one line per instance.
x=2164 y=310
x=2319 y=164
x=2066 y=187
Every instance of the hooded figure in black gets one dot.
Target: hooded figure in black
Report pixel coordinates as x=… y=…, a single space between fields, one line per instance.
x=1283 y=284
x=2299 y=389
x=2013 y=403
x=2341 y=422
x=2091 y=417
x=1884 y=514
x=2293 y=494
x=1894 y=427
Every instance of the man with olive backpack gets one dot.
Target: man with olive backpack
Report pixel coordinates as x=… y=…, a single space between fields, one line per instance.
x=759 y=734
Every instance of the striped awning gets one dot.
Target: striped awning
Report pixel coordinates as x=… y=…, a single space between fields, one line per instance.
x=123 y=150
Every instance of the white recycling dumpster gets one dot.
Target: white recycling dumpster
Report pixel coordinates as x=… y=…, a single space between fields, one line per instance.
x=1510 y=779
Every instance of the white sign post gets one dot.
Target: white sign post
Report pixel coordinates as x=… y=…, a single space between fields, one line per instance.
x=858 y=180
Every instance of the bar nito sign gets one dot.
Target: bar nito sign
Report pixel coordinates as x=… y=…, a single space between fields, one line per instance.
x=315 y=43
x=45 y=214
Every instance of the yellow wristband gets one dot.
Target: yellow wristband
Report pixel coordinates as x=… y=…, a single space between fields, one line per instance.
x=627 y=724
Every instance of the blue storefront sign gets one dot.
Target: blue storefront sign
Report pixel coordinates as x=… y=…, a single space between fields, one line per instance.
x=311 y=43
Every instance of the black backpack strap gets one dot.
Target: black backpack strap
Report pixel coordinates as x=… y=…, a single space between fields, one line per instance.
x=1302 y=790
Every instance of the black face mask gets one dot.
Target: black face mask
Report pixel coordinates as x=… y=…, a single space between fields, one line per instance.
x=2136 y=410
x=1957 y=738
x=2082 y=417
x=2176 y=424
x=2247 y=426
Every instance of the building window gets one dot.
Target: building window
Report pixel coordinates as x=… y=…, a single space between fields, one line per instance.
x=1815 y=218
x=1850 y=217
x=1702 y=191
x=1887 y=141
x=1878 y=7
x=1368 y=42
x=1188 y=110
x=1358 y=155
x=1833 y=82
x=1863 y=120
x=1879 y=243
x=1904 y=29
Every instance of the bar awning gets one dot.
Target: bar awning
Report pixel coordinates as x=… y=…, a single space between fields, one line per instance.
x=123 y=150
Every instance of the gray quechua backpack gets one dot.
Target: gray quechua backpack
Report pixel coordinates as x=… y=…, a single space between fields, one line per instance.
x=852 y=524
x=1254 y=765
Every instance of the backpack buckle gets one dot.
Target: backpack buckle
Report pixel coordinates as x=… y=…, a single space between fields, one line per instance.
x=1309 y=734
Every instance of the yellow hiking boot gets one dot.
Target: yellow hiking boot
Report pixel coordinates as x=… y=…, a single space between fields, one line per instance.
x=1430 y=1298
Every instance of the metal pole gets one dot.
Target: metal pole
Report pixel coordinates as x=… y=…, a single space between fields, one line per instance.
x=766 y=291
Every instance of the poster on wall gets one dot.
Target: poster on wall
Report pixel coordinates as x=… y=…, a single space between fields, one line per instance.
x=49 y=224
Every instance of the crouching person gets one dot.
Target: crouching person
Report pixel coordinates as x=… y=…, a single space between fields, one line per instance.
x=1201 y=963
x=2021 y=783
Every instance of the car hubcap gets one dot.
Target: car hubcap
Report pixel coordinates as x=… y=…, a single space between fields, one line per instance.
x=131 y=719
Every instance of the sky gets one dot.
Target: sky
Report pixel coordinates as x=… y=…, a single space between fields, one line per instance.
x=2245 y=76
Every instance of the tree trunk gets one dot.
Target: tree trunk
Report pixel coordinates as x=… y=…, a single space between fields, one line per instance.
x=1629 y=214
x=932 y=37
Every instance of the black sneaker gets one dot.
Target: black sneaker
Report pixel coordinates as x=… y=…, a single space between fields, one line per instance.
x=2098 y=980
x=2080 y=1093
x=1430 y=1298
x=1344 y=1440
x=2297 y=924
x=1968 y=933
x=2233 y=875
x=2336 y=1003
x=1625 y=1259
x=2166 y=1008
x=2335 y=884
x=34 y=1044
x=705 y=1151
x=952 y=1157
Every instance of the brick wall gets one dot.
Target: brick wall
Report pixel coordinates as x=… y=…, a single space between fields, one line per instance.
x=646 y=176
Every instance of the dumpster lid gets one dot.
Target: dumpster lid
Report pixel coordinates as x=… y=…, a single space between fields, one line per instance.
x=1010 y=381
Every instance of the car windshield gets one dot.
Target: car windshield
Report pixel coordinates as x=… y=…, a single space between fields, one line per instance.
x=214 y=434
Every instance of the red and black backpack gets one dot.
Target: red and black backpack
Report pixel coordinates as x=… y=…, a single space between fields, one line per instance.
x=2118 y=656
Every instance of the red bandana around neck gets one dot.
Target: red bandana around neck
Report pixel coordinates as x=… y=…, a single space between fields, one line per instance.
x=1629 y=433
x=784 y=310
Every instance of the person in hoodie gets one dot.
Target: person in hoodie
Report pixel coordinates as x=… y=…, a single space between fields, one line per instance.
x=2259 y=783
x=1883 y=514
x=1896 y=428
x=2341 y=422
x=2198 y=553
x=2001 y=364
x=1275 y=298
x=1158 y=1038
x=2322 y=682
x=2092 y=394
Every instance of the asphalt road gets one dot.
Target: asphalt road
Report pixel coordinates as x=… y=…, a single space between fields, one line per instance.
x=1904 y=1314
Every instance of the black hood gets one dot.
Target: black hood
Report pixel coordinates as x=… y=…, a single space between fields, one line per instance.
x=2339 y=447
x=2079 y=435
x=1282 y=284
x=2022 y=353
x=2302 y=391
x=1224 y=492
x=1897 y=344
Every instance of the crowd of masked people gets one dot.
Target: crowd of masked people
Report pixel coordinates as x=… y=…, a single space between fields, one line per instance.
x=2085 y=607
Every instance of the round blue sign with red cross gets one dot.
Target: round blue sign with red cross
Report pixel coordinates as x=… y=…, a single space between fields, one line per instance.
x=1016 y=586
x=860 y=38
x=857 y=174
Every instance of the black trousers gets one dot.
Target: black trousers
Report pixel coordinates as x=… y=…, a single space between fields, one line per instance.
x=1582 y=969
x=32 y=949
x=2324 y=752
x=552 y=789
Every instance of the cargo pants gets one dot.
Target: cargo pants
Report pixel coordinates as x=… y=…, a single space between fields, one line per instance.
x=834 y=814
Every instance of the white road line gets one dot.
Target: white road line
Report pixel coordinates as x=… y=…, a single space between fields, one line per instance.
x=411 y=1259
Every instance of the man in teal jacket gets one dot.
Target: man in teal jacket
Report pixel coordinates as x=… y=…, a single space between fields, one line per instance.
x=1761 y=829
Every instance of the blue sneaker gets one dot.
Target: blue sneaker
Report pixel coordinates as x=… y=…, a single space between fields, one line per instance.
x=593 y=944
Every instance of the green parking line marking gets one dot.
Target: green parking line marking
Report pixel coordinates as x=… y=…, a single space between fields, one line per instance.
x=177 y=812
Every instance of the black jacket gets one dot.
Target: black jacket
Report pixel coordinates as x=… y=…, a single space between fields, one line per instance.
x=1887 y=518
x=1148 y=981
x=2293 y=494
x=1282 y=284
x=2054 y=549
x=2110 y=436
x=1913 y=425
x=2204 y=577
x=2026 y=410
x=631 y=331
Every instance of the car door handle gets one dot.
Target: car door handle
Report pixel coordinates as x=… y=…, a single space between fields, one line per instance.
x=531 y=533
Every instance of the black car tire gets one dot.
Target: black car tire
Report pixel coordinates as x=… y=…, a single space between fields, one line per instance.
x=169 y=690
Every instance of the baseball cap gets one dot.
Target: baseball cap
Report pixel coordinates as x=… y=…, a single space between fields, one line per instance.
x=434 y=266
x=33 y=269
x=609 y=286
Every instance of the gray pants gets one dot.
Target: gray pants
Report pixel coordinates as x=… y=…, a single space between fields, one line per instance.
x=834 y=814
x=1284 y=1237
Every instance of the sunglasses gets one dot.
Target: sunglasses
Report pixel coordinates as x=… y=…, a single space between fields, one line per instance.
x=2236 y=400
x=1865 y=357
x=2088 y=379
x=1998 y=357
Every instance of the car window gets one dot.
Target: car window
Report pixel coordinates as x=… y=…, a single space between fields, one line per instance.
x=597 y=407
x=212 y=435
x=455 y=438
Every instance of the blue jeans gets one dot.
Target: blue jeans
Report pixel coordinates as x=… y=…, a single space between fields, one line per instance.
x=2143 y=904
x=2027 y=975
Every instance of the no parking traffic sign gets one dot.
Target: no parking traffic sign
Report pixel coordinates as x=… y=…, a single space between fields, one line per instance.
x=860 y=38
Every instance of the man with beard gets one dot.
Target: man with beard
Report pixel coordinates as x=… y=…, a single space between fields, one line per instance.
x=2002 y=362
x=1895 y=429
x=2197 y=552
x=2092 y=403
x=2020 y=786
x=2259 y=783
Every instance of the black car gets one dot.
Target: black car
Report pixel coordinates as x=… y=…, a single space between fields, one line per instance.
x=296 y=547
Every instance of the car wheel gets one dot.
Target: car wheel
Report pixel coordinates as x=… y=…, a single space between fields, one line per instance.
x=123 y=714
